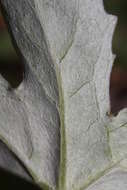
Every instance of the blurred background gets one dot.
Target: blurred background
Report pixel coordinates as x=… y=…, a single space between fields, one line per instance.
x=11 y=66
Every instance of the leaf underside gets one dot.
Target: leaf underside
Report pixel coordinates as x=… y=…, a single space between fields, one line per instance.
x=55 y=121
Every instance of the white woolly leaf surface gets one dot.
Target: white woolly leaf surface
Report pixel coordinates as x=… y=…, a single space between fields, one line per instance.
x=56 y=121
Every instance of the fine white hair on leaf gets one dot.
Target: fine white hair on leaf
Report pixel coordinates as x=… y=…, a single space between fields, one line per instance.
x=55 y=121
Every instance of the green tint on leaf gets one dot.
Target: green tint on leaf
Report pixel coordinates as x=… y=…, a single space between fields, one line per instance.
x=56 y=121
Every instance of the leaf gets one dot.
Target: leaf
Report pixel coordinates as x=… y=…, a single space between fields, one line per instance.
x=9 y=162
x=30 y=120
x=56 y=121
